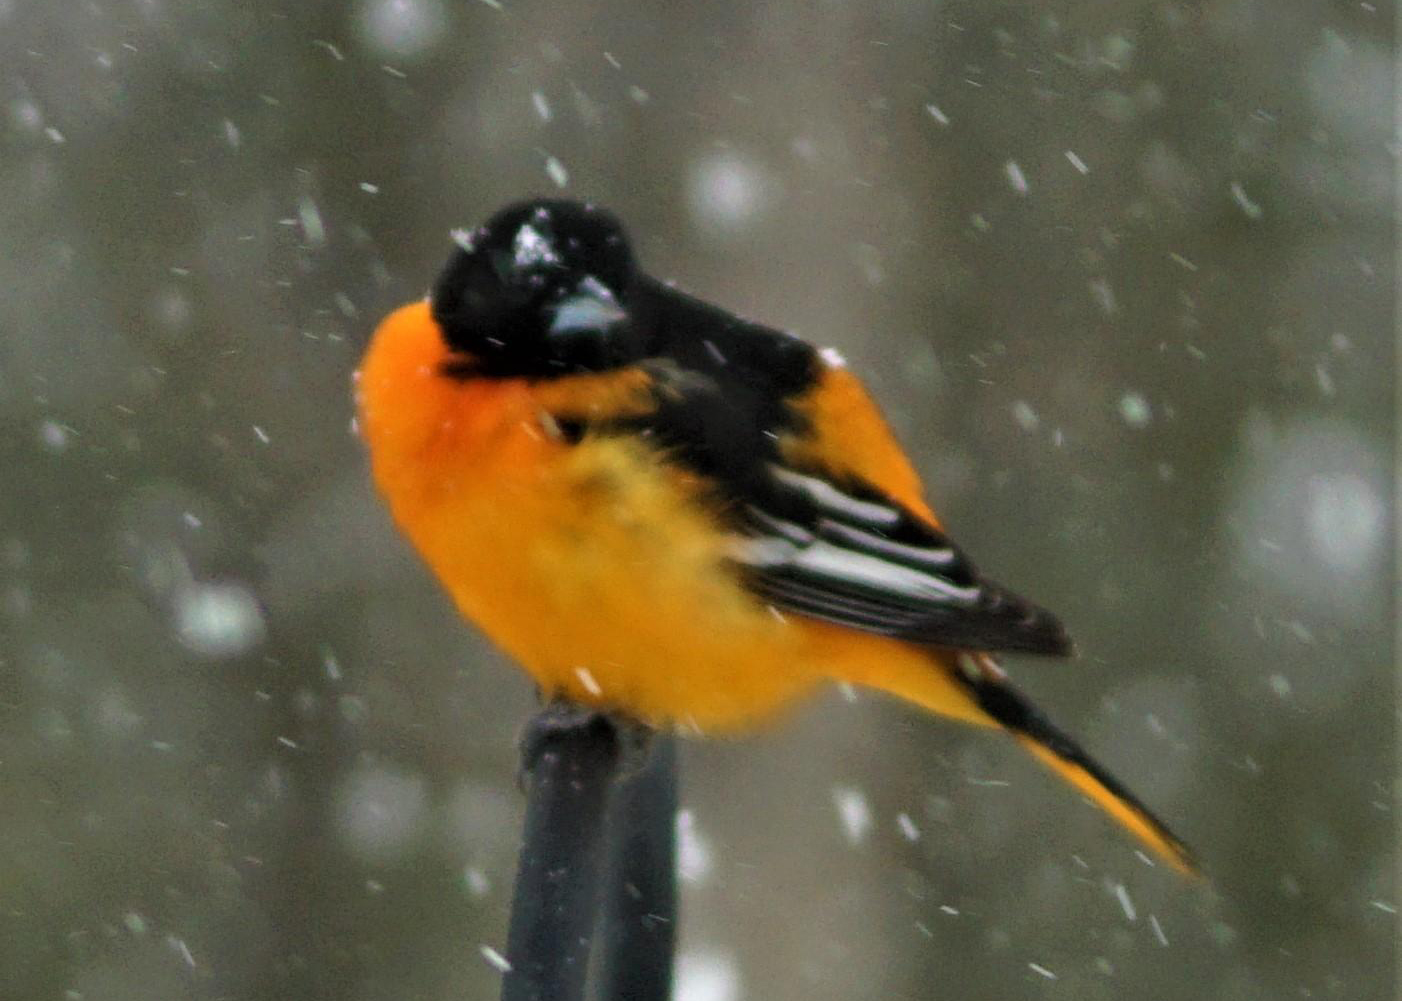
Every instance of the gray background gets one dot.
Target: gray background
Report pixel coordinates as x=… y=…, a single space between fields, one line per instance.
x=248 y=751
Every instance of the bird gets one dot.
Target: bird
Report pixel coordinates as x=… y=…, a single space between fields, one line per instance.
x=664 y=511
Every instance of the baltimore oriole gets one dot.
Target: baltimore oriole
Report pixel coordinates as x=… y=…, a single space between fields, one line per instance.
x=664 y=510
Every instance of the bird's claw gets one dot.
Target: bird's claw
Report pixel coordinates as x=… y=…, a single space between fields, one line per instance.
x=563 y=721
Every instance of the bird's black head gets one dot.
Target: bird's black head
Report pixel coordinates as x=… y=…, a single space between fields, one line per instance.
x=541 y=290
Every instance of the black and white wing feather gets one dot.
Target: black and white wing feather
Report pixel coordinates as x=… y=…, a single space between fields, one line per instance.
x=849 y=555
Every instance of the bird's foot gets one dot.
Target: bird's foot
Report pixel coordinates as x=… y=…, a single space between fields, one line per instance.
x=562 y=722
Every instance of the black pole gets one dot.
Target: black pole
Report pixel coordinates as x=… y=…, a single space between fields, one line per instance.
x=571 y=757
x=639 y=930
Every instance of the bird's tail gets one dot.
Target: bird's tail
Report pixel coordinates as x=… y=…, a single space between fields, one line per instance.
x=995 y=700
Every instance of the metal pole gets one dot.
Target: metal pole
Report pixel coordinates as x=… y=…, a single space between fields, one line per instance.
x=571 y=757
x=639 y=924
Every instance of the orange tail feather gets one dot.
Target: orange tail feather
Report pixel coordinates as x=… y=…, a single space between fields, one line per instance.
x=978 y=691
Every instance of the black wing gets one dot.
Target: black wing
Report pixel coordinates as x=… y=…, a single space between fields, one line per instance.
x=808 y=542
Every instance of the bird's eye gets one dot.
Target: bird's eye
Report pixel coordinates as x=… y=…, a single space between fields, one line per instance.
x=503 y=264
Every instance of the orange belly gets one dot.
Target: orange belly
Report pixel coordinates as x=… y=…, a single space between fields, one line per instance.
x=594 y=578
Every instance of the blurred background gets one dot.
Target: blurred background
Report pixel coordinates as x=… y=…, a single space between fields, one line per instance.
x=1122 y=272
